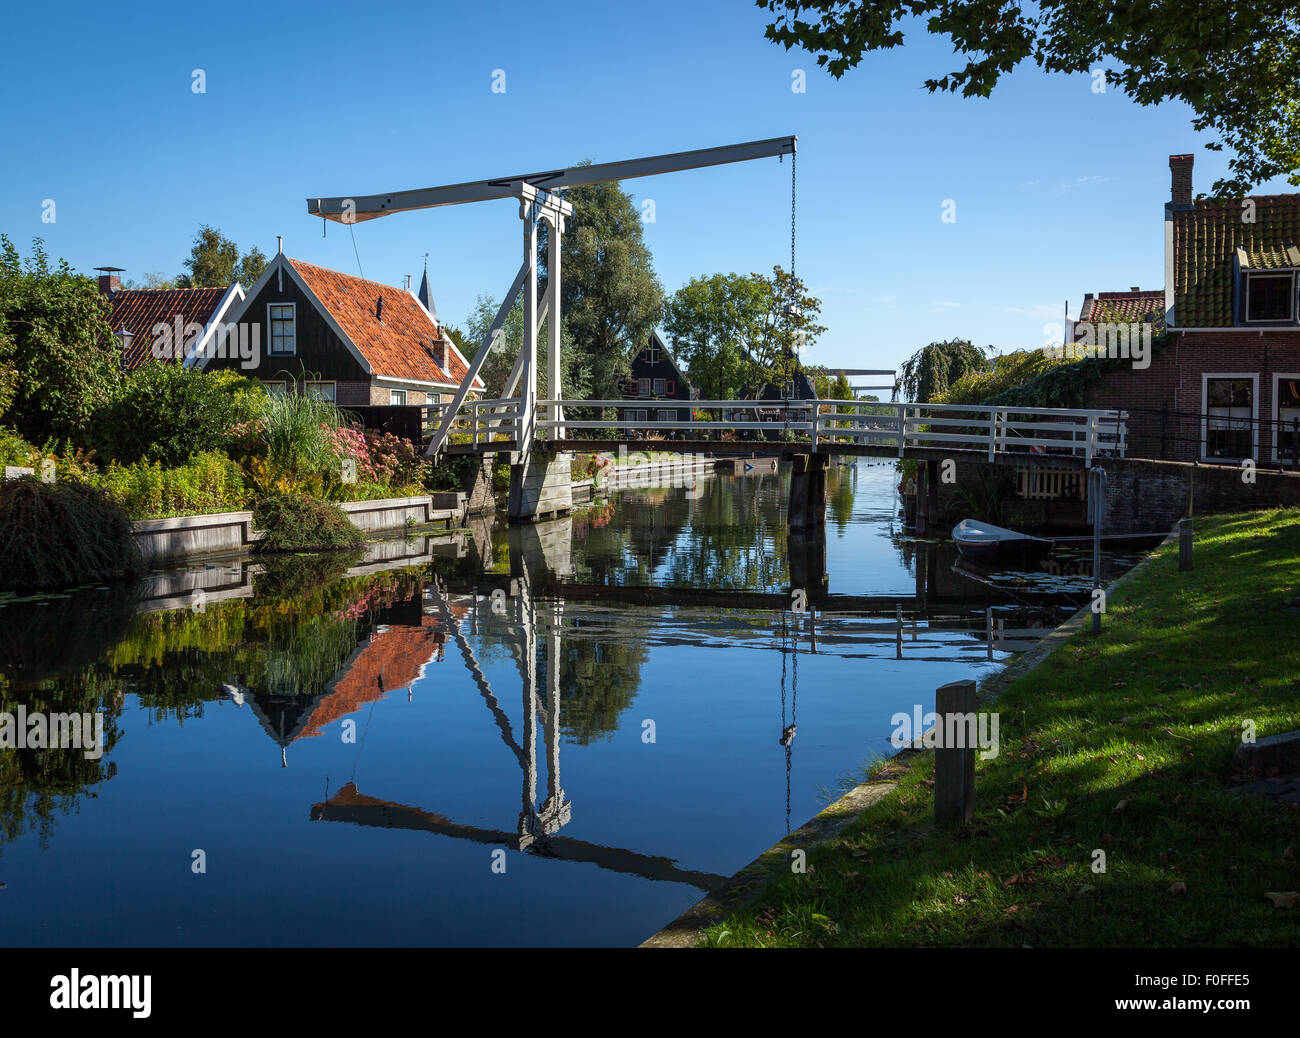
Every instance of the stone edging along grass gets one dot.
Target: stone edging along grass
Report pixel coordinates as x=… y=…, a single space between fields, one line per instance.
x=687 y=930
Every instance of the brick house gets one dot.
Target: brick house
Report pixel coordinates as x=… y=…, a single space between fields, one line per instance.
x=656 y=384
x=191 y=316
x=343 y=338
x=1227 y=385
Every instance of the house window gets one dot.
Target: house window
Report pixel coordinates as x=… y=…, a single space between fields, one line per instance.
x=397 y=397
x=637 y=415
x=1228 y=426
x=1286 y=412
x=643 y=387
x=654 y=354
x=659 y=387
x=274 y=388
x=280 y=318
x=667 y=415
x=1270 y=297
x=321 y=391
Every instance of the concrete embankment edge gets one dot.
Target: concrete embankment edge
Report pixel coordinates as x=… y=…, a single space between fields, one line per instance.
x=687 y=929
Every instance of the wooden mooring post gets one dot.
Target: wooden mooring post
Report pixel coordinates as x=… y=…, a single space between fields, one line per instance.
x=954 y=766
x=1184 y=545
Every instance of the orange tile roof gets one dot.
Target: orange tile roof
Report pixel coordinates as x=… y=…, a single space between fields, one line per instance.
x=1124 y=308
x=390 y=661
x=399 y=345
x=139 y=310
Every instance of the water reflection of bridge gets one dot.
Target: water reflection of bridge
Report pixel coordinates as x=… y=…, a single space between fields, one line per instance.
x=537 y=608
x=531 y=628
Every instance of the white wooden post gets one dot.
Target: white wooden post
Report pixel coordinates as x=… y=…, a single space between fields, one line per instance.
x=528 y=383
x=554 y=389
x=993 y=432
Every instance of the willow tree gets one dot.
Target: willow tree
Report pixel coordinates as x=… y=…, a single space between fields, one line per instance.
x=929 y=372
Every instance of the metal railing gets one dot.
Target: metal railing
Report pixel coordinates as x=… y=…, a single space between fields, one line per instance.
x=992 y=430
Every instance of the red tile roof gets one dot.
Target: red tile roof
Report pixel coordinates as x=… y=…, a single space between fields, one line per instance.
x=139 y=310
x=1125 y=308
x=405 y=344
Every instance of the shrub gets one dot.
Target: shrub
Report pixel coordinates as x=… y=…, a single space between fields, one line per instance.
x=14 y=450
x=208 y=482
x=293 y=522
x=296 y=432
x=166 y=413
x=60 y=534
x=59 y=359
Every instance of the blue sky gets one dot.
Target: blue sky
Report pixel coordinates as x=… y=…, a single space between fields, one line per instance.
x=1058 y=189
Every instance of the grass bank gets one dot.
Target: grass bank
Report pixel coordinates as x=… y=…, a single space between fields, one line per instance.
x=1121 y=744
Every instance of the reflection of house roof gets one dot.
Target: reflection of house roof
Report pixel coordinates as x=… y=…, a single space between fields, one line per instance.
x=391 y=659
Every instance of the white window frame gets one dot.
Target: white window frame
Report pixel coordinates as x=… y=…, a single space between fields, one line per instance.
x=1291 y=297
x=643 y=387
x=393 y=394
x=270 y=331
x=1205 y=411
x=666 y=414
x=1278 y=376
x=660 y=386
x=309 y=385
x=638 y=414
x=654 y=354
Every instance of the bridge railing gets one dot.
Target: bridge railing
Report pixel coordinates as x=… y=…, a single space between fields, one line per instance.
x=765 y=415
x=993 y=430
x=478 y=421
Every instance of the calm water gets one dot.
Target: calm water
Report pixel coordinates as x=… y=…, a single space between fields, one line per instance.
x=348 y=750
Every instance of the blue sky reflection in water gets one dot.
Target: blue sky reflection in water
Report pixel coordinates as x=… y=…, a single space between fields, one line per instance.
x=347 y=744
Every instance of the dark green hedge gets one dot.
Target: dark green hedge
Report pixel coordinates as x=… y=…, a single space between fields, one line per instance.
x=60 y=534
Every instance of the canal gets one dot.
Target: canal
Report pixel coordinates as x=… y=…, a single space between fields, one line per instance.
x=308 y=751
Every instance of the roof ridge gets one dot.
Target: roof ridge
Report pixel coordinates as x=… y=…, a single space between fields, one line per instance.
x=350 y=277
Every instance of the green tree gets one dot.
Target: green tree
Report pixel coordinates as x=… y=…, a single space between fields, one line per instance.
x=574 y=369
x=214 y=262
x=1233 y=62
x=926 y=375
x=610 y=296
x=738 y=331
x=58 y=357
x=153 y=280
x=792 y=328
x=711 y=322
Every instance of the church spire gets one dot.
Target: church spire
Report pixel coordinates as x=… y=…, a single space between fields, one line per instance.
x=425 y=296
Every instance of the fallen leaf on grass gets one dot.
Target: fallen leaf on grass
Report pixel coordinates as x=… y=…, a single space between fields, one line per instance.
x=1083 y=888
x=1122 y=804
x=1288 y=853
x=1178 y=888
x=1287 y=899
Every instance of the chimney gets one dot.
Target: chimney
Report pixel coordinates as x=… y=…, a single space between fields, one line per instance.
x=109 y=282
x=1134 y=288
x=1180 y=177
x=379 y=309
x=444 y=353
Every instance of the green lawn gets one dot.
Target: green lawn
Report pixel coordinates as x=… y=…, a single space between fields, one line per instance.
x=1120 y=743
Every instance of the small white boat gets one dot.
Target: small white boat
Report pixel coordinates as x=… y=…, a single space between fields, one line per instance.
x=979 y=540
